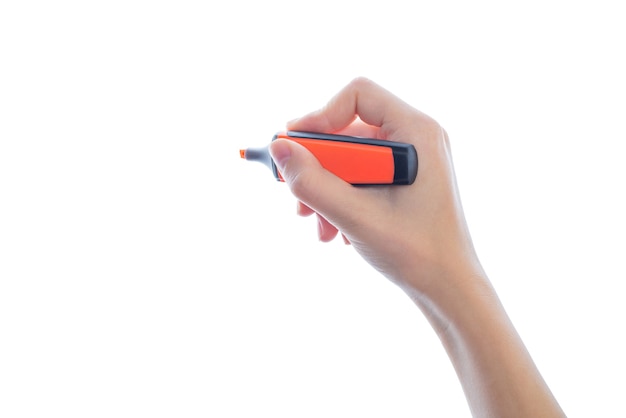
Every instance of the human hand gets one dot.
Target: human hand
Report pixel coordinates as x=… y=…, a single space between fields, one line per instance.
x=417 y=236
x=412 y=234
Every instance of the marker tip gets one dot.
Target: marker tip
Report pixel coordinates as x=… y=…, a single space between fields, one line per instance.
x=242 y=153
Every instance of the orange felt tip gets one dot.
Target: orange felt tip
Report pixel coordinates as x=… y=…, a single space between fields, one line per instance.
x=242 y=153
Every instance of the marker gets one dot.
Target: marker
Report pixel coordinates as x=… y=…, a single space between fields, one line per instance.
x=358 y=161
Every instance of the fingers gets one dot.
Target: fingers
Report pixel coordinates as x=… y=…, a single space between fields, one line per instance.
x=304 y=210
x=317 y=188
x=361 y=98
x=345 y=240
x=362 y=108
x=325 y=230
x=362 y=129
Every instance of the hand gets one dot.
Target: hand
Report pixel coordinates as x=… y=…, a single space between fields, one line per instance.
x=409 y=233
x=417 y=236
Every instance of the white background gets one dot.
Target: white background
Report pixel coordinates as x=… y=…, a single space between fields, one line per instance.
x=146 y=270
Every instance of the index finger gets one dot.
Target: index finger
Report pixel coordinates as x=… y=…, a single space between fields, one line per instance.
x=361 y=98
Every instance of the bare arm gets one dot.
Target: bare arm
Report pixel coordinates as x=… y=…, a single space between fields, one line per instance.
x=418 y=238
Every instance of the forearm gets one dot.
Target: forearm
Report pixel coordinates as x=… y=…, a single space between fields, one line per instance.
x=496 y=371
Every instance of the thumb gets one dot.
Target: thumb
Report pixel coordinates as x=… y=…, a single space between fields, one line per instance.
x=313 y=185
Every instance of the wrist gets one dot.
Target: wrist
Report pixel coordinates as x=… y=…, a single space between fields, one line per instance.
x=449 y=293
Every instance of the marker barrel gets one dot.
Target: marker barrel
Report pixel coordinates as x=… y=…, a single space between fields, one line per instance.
x=358 y=161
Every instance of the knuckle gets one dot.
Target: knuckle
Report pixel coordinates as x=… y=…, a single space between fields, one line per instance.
x=361 y=82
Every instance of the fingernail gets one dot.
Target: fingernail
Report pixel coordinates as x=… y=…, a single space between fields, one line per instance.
x=300 y=210
x=280 y=152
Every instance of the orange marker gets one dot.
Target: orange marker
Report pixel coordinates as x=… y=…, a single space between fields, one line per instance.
x=362 y=161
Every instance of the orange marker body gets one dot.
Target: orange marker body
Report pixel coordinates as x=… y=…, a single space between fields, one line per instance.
x=359 y=161
x=355 y=163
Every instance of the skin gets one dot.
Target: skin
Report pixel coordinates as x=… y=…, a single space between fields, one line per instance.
x=418 y=238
